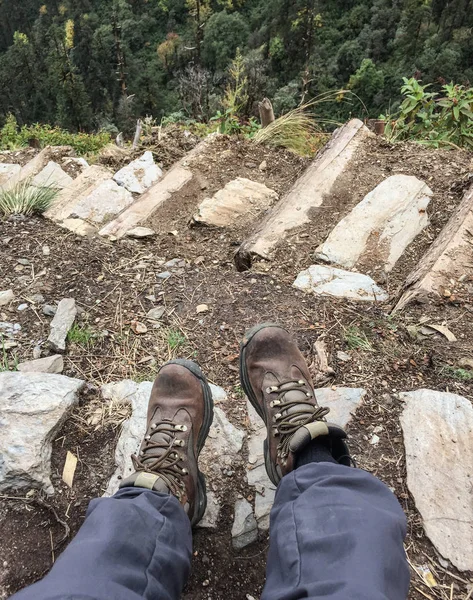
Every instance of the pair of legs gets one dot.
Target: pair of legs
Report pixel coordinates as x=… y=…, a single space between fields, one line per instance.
x=336 y=532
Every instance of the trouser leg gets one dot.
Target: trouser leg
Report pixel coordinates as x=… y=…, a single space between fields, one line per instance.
x=137 y=544
x=336 y=533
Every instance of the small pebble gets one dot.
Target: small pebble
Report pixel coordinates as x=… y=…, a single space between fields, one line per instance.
x=23 y=307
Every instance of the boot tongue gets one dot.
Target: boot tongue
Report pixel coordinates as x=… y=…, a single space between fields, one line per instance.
x=162 y=436
x=300 y=399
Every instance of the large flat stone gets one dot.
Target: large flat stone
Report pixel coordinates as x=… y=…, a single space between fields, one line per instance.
x=33 y=407
x=311 y=191
x=240 y=200
x=343 y=403
x=438 y=438
x=140 y=174
x=8 y=171
x=107 y=200
x=328 y=281
x=52 y=176
x=381 y=226
x=244 y=530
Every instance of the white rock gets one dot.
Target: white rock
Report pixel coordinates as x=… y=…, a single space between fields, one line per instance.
x=212 y=513
x=50 y=364
x=381 y=226
x=8 y=171
x=244 y=530
x=343 y=356
x=328 y=281
x=107 y=200
x=140 y=174
x=239 y=199
x=140 y=232
x=156 y=313
x=33 y=407
x=62 y=322
x=343 y=402
x=263 y=506
x=438 y=438
x=52 y=176
x=6 y=297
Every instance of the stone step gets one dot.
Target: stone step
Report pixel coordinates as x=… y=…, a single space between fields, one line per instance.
x=448 y=262
x=376 y=232
x=174 y=180
x=7 y=171
x=37 y=164
x=140 y=174
x=240 y=200
x=438 y=438
x=309 y=192
x=322 y=280
x=80 y=187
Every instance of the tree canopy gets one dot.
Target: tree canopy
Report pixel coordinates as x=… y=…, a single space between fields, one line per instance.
x=98 y=64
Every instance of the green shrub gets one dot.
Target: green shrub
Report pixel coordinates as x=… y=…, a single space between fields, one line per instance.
x=25 y=199
x=12 y=137
x=431 y=118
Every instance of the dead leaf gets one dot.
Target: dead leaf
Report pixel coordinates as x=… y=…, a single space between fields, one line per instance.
x=444 y=330
x=138 y=328
x=202 y=308
x=69 y=469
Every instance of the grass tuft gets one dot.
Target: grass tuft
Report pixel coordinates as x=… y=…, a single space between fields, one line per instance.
x=81 y=334
x=175 y=339
x=458 y=374
x=25 y=199
x=356 y=339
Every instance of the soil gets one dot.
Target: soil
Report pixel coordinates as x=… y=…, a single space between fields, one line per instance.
x=116 y=283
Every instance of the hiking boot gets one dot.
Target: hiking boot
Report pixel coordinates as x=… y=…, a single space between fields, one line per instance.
x=277 y=382
x=180 y=413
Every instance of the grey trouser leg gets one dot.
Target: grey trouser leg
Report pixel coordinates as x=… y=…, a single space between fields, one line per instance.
x=336 y=533
x=135 y=545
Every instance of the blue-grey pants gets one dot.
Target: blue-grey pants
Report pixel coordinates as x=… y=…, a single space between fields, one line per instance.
x=336 y=533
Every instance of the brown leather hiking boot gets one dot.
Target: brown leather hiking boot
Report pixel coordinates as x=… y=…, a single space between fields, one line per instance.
x=180 y=413
x=276 y=380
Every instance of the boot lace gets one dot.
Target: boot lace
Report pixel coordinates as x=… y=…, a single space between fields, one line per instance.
x=287 y=422
x=158 y=455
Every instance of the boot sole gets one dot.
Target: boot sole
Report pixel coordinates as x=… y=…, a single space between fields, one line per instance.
x=204 y=431
x=245 y=382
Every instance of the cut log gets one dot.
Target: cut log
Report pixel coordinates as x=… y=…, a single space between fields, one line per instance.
x=266 y=112
x=82 y=186
x=309 y=192
x=178 y=176
x=449 y=258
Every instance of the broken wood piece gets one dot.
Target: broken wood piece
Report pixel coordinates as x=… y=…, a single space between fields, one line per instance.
x=310 y=191
x=69 y=469
x=266 y=112
x=320 y=364
x=448 y=259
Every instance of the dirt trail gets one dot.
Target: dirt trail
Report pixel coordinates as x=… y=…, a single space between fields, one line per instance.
x=116 y=283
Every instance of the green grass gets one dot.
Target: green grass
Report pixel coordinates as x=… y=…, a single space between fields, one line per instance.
x=82 y=334
x=24 y=199
x=6 y=363
x=239 y=391
x=356 y=339
x=457 y=373
x=12 y=137
x=175 y=339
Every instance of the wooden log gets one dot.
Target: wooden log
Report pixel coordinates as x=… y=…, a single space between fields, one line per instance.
x=448 y=259
x=266 y=112
x=310 y=191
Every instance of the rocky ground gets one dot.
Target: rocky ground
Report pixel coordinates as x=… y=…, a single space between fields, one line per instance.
x=138 y=303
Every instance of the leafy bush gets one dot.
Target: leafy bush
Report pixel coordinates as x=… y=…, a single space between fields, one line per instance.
x=12 y=137
x=25 y=199
x=434 y=119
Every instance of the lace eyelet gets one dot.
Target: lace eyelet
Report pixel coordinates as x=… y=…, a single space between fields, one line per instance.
x=308 y=395
x=147 y=437
x=184 y=471
x=301 y=382
x=153 y=426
